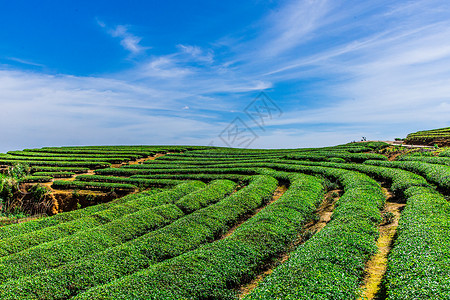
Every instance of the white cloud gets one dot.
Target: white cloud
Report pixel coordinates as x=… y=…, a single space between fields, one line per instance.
x=128 y=40
x=25 y=62
x=39 y=110
x=380 y=76
x=291 y=25
x=164 y=67
x=197 y=53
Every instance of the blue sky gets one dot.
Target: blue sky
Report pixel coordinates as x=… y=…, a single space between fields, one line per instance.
x=179 y=72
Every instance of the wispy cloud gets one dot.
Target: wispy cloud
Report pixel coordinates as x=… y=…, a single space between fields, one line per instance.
x=338 y=70
x=292 y=24
x=128 y=40
x=197 y=53
x=393 y=80
x=59 y=110
x=25 y=62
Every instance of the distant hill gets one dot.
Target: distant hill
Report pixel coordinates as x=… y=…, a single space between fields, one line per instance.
x=439 y=136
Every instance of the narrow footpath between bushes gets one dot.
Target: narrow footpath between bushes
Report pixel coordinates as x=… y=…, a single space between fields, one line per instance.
x=376 y=266
x=281 y=189
x=323 y=213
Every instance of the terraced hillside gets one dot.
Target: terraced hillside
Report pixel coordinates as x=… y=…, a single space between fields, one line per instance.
x=339 y=222
x=439 y=137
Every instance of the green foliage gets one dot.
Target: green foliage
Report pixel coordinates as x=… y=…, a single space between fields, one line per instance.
x=388 y=217
x=174 y=239
x=144 y=182
x=30 y=226
x=18 y=170
x=55 y=174
x=336 y=160
x=33 y=163
x=202 y=198
x=428 y=137
x=419 y=263
x=76 y=170
x=100 y=186
x=437 y=174
x=35 y=179
x=169 y=245
x=8 y=187
x=337 y=156
x=38 y=192
x=427 y=159
x=117 y=225
x=225 y=262
x=331 y=263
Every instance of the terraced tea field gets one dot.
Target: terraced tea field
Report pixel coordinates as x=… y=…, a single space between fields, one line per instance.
x=341 y=222
x=439 y=136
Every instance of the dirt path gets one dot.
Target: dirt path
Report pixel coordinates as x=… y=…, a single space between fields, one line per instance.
x=142 y=160
x=394 y=156
x=276 y=195
x=376 y=266
x=399 y=143
x=324 y=212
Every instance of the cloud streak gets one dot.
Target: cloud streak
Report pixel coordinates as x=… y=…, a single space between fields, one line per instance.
x=375 y=69
x=128 y=40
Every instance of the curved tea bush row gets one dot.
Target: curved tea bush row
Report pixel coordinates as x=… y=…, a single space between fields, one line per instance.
x=202 y=177
x=47 y=154
x=219 y=155
x=214 y=192
x=134 y=148
x=429 y=136
x=87 y=164
x=400 y=179
x=85 y=242
x=348 y=157
x=90 y=151
x=36 y=178
x=330 y=265
x=38 y=224
x=445 y=153
x=171 y=158
x=212 y=271
x=135 y=181
x=96 y=186
x=419 y=263
x=53 y=254
x=34 y=238
x=193 y=170
x=59 y=169
x=426 y=159
x=55 y=174
x=155 y=164
x=174 y=239
x=113 y=160
x=437 y=174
